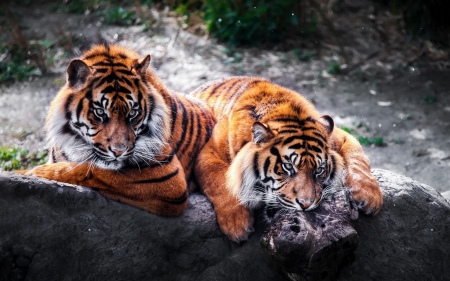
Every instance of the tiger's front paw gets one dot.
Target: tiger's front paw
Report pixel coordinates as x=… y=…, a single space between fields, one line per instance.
x=62 y=171
x=366 y=192
x=46 y=171
x=236 y=222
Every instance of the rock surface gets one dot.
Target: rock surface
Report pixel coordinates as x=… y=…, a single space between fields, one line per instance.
x=51 y=231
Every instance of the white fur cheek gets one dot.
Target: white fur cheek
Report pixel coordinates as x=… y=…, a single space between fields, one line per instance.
x=75 y=150
x=241 y=180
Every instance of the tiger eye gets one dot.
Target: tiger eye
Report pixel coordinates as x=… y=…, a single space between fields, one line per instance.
x=99 y=111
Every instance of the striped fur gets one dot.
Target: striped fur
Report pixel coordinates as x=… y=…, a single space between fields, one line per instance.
x=270 y=145
x=115 y=127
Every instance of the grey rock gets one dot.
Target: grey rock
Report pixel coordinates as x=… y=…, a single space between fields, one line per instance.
x=54 y=231
x=408 y=240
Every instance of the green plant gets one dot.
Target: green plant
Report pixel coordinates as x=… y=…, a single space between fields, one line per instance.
x=430 y=99
x=119 y=15
x=304 y=56
x=334 y=67
x=249 y=22
x=12 y=158
x=365 y=141
x=13 y=63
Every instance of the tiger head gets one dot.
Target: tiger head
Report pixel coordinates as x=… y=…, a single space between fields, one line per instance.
x=108 y=113
x=288 y=167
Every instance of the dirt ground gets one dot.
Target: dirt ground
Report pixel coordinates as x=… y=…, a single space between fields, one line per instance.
x=405 y=103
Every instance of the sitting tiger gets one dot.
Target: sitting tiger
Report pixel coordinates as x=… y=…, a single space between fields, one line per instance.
x=116 y=128
x=270 y=144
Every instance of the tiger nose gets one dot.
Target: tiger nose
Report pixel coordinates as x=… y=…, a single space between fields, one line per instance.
x=118 y=150
x=304 y=204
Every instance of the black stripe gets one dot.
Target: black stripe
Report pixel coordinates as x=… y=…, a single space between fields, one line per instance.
x=124 y=71
x=67 y=129
x=266 y=167
x=255 y=165
x=174 y=109
x=299 y=123
x=296 y=108
x=122 y=56
x=296 y=146
x=317 y=134
x=151 y=101
x=116 y=64
x=231 y=87
x=164 y=161
x=160 y=179
x=95 y=55
x=178 y=201
x=304 y=138
x=316 y=148
x=128 y=82
x=184 y=122
x=109 y=89
x=197 y=142
x=53 y=155
x=289 y=132
x=213 y=90
x=189 y=134
x=101 y=70
x=333 y=166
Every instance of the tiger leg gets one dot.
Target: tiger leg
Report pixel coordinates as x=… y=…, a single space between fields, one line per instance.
x=234 y=219
x=160 y=189
x=363 y=185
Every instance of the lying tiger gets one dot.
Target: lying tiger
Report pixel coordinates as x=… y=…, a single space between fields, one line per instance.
x=116 y=128
x=270 y=144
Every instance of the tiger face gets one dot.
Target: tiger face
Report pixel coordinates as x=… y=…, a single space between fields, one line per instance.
x=289 y=167
x=110 y=115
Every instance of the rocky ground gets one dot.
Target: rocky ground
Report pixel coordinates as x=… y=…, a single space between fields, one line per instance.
x=394 y=94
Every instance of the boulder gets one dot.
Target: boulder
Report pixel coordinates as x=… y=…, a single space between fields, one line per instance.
x=54 y=231
x=409 y=239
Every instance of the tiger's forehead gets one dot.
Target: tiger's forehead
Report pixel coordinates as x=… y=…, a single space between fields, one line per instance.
x=302 y=148
x=109 y=55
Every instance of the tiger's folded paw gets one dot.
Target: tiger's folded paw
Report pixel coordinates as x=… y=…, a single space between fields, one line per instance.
x=62 y=171
x=42 y=171
x=367 y=194
x=236 y=222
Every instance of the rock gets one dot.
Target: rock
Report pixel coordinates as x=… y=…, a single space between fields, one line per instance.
x=446 y=195
x=408 y=240
x=313 y=245
x=53 y=231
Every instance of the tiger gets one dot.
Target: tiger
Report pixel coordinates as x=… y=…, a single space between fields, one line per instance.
x=270 y=145
x=114 y=127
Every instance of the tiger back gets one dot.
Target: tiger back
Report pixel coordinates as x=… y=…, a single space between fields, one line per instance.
x=271 y=145
x=116 y=128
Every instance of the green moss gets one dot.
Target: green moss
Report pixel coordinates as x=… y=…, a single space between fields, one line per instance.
x=12 y=158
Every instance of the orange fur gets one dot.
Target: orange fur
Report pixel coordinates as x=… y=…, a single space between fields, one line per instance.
x=116 y=128
x=270 y=144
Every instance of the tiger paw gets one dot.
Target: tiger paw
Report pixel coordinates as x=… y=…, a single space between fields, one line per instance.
x=236 y=222
x=63 y=171
x=366 y=192
x=43 y=171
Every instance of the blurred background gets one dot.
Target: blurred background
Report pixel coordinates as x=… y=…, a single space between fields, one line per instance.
x=380 y=68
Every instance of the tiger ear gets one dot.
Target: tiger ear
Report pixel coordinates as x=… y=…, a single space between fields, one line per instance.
x=328 y=122
x=77 y=73
x=142 y=65
x=261 y=133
